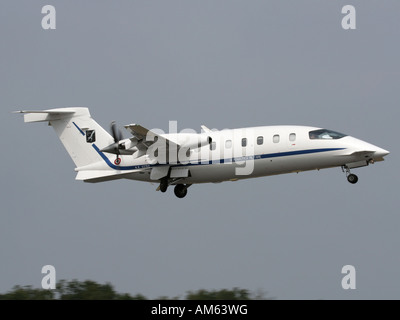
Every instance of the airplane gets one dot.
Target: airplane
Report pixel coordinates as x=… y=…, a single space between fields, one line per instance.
x=187 y=158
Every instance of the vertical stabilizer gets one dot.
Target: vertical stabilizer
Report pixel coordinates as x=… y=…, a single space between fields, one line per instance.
x=76 y=130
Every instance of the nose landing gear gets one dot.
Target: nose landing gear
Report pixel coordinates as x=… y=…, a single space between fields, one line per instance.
x=351 y=177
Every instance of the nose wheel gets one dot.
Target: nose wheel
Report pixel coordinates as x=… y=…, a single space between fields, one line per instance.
x=351 y=177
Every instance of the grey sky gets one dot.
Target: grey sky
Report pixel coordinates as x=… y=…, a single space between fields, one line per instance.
x=224 y=64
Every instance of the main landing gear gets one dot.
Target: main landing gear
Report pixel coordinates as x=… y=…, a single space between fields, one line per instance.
x=351 y=177
x=163 y=184
x=180 y=190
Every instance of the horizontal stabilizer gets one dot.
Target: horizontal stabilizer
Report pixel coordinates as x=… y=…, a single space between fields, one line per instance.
x=45 y=111
x=52 y=114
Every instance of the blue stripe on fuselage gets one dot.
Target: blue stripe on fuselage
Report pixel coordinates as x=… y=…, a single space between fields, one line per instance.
x=230 y=160
x=113 y=166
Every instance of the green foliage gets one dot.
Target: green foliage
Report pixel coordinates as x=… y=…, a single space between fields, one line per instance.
x=70 y=290
x=86 y=290
x=90 y=290
x=127 y=296
x=27 y=293
x=224 y=294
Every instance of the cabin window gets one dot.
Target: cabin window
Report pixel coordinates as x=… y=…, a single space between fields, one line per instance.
x=228 y=144
x=325 y=134
x=276 y=138
x=292 y=137
x=244 y=142
x=213 y=145
x=260 y=140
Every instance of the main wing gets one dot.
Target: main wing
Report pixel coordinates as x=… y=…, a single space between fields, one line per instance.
x=144 y=138
x=148 y=137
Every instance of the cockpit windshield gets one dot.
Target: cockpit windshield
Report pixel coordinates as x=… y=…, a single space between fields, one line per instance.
x=325 y=134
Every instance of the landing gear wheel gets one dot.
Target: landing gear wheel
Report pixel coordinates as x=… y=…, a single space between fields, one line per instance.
x=163 y=185
x=180 y=190
x=352 y=178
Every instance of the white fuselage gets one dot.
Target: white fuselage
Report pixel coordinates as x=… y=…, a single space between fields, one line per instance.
x=265 y=151
x=183 y=159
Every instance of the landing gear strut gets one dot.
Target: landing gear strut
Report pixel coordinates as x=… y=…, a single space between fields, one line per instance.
x=351 y=177
x=164 y=184
x=181 y=190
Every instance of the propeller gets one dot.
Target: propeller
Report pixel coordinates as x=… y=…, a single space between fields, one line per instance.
x=116 y=133
x=114 y=147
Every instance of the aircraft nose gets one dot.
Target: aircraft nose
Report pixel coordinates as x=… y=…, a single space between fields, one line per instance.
x=380 y=153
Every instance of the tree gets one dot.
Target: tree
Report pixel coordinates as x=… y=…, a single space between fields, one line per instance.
x=70 y=290
x=86 y=290
x=91 y=290
x=223 y=294
x=27 y=293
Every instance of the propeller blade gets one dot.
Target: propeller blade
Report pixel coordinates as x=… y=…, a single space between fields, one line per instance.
x=115 y=132
x=117 y=136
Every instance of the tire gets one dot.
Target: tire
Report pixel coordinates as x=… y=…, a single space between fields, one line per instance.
x=180 y=191
x=163 y=185
x=352 y=178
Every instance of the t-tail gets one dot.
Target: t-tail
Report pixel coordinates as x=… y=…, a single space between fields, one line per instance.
x=77 y=131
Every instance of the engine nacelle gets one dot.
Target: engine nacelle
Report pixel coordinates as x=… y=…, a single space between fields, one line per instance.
x=193 y=141
x=130 y=143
